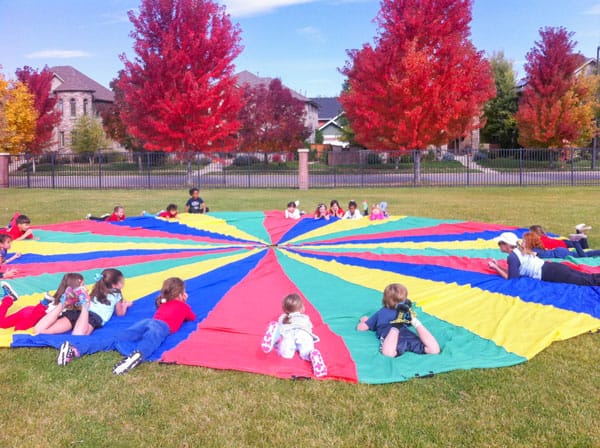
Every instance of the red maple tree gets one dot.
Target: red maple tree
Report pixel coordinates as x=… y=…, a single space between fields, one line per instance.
x=422 y=82
x=271 y=118
x=39 y=84
x=180 y=92
x=556 y=107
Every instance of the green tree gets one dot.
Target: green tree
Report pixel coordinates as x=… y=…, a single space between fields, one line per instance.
x=88 y=135
x=501 y=127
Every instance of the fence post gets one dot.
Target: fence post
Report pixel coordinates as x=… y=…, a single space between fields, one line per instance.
x=572 y=167
x=99 y=170
x=303 y=169
x=53 y=170
x=521 y=166
x=4 y=162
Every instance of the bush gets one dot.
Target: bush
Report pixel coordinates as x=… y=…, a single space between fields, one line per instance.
x=373 y=159
x=245 y=160
x=448 y=157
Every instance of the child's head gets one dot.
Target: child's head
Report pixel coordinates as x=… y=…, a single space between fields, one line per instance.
x=292 y=303
x=119 y=210
x=23 y=223
x=109 y=280
x=537 y=229
x=70 y=280
x=173 y=288
x=194 y=192
x=352 y=206
x=291 y=206
x=5 y=241
x=532 y=240
x=393 y=294
x=172 y=209
x=321 y=210
x=375 y=208
x=334 y=205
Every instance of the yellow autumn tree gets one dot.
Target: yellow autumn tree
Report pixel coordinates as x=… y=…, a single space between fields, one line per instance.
x=18 y=116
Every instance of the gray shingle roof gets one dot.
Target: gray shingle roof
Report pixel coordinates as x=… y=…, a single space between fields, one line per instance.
x=329 y=107
x=245 y=77
x=75 y=81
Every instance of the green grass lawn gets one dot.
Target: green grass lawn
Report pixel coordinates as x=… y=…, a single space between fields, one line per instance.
x=550 y=401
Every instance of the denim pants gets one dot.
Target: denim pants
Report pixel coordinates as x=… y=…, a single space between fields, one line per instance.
x=145 y=336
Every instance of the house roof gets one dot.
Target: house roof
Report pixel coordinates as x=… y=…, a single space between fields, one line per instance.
x=75 y=81
x=245 y=77
x=329 y=107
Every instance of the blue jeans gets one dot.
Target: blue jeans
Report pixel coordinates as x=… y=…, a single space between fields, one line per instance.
x=145 y=336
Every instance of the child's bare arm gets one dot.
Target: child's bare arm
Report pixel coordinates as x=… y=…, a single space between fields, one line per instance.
x=122 y=307
x=362 y=325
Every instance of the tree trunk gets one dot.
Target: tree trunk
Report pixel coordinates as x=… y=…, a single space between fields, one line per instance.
x=417 y=166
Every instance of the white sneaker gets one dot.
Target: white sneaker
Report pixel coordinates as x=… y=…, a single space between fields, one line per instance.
x=127 y=363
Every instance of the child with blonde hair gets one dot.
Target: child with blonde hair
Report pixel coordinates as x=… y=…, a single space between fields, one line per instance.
x=293 y=332
x=391 y=325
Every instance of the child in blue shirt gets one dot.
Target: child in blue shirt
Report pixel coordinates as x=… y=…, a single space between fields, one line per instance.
x=195 y=204
x=391 y=325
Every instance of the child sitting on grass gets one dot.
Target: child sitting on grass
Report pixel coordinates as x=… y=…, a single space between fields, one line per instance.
x=391 y=325
x=195 y=204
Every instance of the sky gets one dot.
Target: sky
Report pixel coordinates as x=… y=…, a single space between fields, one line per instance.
x=302 y=42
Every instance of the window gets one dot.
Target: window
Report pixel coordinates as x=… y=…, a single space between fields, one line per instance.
x=85 y=107
x=61 y=106
x=61 y=139
x=73 y=107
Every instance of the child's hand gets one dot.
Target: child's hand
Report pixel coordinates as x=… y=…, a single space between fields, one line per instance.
x=127 y=303
x=10 y=273
x=492 y=264
x=362 y=325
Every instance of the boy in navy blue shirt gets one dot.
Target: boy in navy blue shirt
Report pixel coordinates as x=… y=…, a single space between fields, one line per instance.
x=195 y=204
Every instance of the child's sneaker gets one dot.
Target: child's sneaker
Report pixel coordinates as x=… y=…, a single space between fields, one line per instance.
x=318 y=365
x=127 y=363
x=405 y=314
x=271 y=337
x=9 y=291
x=66 y=353
x=47 y=300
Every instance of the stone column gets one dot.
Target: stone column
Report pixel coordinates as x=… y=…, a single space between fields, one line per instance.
x=303 y=169
x=4 y=160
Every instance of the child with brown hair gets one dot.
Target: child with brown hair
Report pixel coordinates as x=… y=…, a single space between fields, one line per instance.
x=141 y=339
x=293 y=332
x=391 y=323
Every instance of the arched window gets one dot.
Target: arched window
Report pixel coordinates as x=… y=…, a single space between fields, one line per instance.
x=73 y=107
x=85 y=107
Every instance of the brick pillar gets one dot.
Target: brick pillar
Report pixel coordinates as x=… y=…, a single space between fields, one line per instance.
x=4 y=159
x=303 y=169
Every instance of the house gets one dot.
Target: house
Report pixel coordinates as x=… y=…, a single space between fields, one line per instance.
x=330 y=113
x=77 y=95
x=310 y=107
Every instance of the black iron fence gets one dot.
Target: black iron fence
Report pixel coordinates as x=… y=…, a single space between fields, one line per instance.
x=343 y=168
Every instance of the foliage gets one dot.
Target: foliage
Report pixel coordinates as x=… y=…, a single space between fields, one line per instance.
x=422 y=83
x=39 y=84
x=180 y=91
x=88 y=135
x=319 y=139
x=17 y=116
x=557 y=105
x=271 y=119
x=501 y=127
x=112 y=119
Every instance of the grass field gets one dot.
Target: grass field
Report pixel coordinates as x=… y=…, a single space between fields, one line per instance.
x=550 y=401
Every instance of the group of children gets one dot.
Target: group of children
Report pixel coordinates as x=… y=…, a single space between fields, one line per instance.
x=378 y=211
x=195 y=204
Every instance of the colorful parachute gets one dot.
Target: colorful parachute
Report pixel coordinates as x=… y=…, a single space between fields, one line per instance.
x=238 y=266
